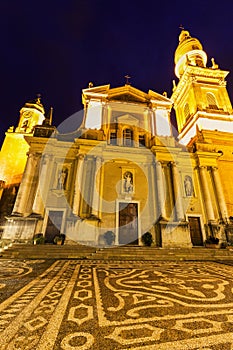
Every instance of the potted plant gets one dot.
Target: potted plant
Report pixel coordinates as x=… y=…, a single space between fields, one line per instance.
x=58 y=240
x=147 y=239
x=211 y=242
x=230 y=245
x=109 y=237
x=38 y=238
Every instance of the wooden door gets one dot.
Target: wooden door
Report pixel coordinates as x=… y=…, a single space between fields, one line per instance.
x=195 y=231
x=128 y=223
x=53 y=225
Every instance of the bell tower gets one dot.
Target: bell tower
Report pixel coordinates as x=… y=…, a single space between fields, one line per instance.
x=200 y=98
x=31 y=114
x=13 y=154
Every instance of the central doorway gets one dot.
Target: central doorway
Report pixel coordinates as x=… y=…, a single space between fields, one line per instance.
x=195 y=230
x=128 y=223
x=54 y=223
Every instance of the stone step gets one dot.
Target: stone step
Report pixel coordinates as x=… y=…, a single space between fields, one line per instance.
x=174 y=255
x=46 y=251
x=27 y=251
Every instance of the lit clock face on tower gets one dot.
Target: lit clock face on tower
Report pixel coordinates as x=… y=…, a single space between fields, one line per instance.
x=25 y=119
x=27 y=114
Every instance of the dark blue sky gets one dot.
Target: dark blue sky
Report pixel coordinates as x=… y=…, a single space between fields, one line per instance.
x=57 y=47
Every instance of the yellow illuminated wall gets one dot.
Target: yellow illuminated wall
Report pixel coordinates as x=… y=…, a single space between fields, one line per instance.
x=13 y=155
x=13 y=158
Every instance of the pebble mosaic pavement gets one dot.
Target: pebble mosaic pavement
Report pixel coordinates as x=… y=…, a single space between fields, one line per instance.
x=80 y=305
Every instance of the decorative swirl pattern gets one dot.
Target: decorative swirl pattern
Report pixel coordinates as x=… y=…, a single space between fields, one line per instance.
x=126 y=305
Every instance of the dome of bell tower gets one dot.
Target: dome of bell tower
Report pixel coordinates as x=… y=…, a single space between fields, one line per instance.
x=188 y=52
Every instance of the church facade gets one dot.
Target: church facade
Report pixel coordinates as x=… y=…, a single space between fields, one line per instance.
x=124 y=171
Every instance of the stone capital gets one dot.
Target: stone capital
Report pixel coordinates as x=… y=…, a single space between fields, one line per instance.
x=80 y=156
x=34 y=155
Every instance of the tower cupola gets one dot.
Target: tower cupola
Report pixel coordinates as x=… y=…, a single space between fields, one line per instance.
x=188 y=52
x=31 y=114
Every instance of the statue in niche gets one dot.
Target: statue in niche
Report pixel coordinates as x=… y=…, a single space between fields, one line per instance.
x=188 y=186
x=128 y=182
x=62 y=177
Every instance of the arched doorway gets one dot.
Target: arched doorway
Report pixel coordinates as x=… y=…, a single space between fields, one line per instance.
x=128 y=223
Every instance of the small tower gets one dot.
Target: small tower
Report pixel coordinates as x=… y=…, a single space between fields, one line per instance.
x=14 y=150
x=200 y=97
x=31 y=114
x=188 y=52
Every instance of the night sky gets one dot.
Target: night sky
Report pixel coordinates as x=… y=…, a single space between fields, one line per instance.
x=56 y=48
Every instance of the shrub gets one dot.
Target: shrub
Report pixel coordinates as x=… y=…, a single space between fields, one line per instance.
x=109 y=237
x=147 y=239
x=57 y=239
x=39 y=238
x=212 y=240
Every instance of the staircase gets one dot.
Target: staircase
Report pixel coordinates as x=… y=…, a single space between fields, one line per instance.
x=124 y=253
x=46 y=251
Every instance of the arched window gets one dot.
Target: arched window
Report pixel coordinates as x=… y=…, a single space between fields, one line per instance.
x=211 y=100
x=128 y=137
x=186 y=111
x=199 y=61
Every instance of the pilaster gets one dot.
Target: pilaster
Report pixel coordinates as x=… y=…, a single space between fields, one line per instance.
x=22 y=202
x=219 y=193
x=78 y=182
x=177 y=192
x=161 y=190
x=40 y=197
x=206 y=193
x=96 y=188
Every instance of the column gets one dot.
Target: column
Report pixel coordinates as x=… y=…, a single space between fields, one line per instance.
x=40 y=197
x=78 y=183
x=105 y=123
x=220 y=193
x=152 y=194
x=206 y=193
x=96 y=188
x=161 y=190
x=177 y=195
x=22 y=199
x=135 y=137
x=119 y=135
x=153 y=124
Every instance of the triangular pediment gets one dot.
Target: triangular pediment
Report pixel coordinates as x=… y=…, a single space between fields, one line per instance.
x=93 y=92
x=103 y=89
x=158 y=97
x=128 y=119
x=127 y=93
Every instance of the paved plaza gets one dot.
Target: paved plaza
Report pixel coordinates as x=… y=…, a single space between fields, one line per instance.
x=106 y=304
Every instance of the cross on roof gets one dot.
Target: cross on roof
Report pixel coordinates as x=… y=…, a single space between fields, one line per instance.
x=127 y=77
x=38 y=97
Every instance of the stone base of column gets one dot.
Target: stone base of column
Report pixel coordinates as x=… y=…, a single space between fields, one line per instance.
x=162 y=219
x=15 y=214
x=222 y=235
x=175 y=235
x=218 y=230
x=20 y=229
x=212 y=228
x=229 y=233
x=35 y=216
